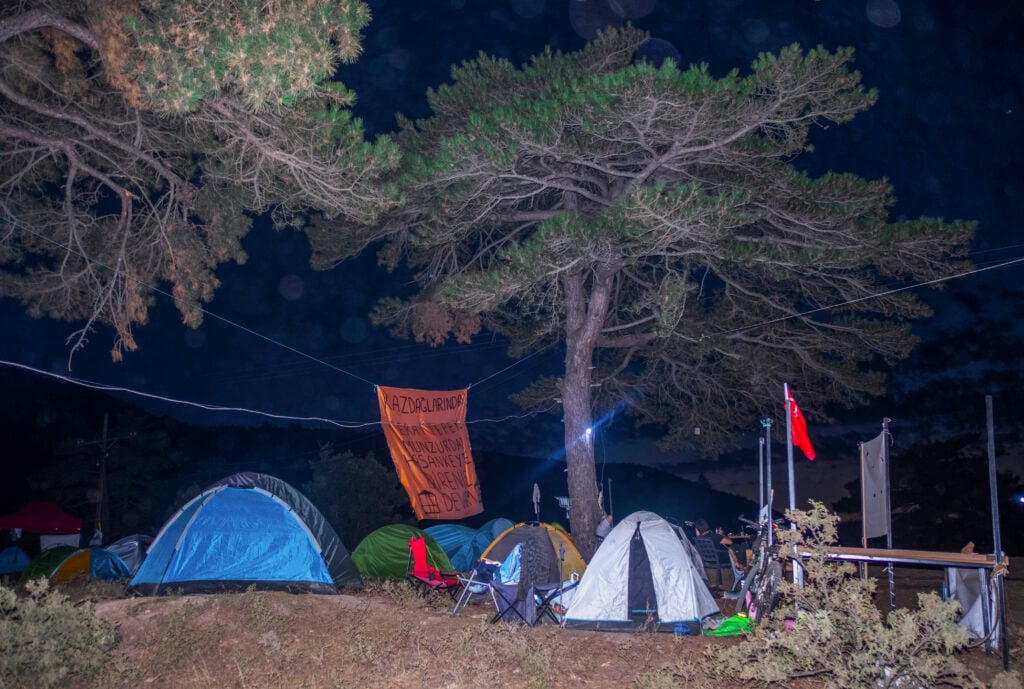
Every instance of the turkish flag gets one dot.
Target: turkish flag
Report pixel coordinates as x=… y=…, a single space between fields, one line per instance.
x=799 y=426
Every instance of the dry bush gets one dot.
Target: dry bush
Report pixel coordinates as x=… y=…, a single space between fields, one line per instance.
x=403 y=595
x=840 y=636
x=45 y=639
x=831 y=633
x=1007 y=680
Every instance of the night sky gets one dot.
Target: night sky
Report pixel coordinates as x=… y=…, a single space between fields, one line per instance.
x=945 y=131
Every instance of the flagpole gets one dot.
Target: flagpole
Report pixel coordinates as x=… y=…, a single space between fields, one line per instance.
x=888 y=510
x=789 y=452
x=997 y=540
x=863 y=566
x=770 y=493
x=760 y=475
x=797 y=571
x=767 y=440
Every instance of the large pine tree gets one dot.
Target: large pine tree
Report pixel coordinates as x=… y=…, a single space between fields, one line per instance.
x=653 y=222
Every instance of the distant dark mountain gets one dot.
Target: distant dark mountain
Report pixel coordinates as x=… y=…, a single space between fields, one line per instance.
x=507 y=486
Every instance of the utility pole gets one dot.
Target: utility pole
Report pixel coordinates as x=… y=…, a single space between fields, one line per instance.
x=102 y=502
x=101 y=498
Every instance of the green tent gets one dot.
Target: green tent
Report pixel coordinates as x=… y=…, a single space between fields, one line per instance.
x=384 y=553
x=43 y=564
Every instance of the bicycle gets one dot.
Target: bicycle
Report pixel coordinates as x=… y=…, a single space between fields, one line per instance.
x=760 y=590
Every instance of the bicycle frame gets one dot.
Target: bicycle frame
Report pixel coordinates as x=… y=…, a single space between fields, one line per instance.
x=760 y=586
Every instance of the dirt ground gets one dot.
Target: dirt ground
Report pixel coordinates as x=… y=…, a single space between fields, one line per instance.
x=388 y=637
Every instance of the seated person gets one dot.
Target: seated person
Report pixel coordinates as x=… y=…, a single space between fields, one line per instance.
x=719 y=537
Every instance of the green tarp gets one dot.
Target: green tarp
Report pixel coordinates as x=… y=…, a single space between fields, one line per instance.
x=737 y=625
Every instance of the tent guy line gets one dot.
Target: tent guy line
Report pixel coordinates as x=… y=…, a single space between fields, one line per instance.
x=213 y=407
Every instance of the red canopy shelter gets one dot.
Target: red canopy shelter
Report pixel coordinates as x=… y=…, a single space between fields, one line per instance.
x=41 y=517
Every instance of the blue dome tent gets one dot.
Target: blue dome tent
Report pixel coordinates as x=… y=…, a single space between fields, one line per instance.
x=246 y=531
x=13 y=560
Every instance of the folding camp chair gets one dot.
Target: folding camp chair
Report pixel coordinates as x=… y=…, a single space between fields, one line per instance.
x=738 y=574
x=511 y=602
x=513 y=607
x=713 y=556
x=423 y=576
x=477 y=583
x=551 y=603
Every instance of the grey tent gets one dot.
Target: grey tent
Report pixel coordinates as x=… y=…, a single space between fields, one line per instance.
x=691 y=551
x=131 y=549
x=642 y=577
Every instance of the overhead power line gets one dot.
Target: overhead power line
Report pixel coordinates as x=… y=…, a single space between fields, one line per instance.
x=243 y=410
x=223 y=319
x=208 y=407
x=869 y=297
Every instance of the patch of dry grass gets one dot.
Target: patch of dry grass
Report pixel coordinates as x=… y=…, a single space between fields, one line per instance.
x=386 y=636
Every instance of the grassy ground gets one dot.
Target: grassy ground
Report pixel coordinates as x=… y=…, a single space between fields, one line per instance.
x=386 y=636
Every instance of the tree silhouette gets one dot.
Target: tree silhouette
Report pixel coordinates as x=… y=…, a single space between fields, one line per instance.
x=356 y=494
x=137 y=137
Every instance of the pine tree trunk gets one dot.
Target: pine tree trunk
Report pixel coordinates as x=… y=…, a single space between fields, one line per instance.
x=579 y=449
x=585 y=315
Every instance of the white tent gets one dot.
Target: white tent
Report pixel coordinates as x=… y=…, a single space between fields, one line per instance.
x=641 y=577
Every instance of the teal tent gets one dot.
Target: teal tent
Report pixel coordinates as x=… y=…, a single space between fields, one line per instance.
x=464 y=544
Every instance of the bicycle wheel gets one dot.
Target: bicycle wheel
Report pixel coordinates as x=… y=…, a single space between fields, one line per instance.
x=754 y=573
x=765 y=592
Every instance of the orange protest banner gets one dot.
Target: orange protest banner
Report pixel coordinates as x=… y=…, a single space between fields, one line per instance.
x=426 y=433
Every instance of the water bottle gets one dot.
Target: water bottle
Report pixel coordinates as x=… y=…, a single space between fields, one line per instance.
x=681 y=629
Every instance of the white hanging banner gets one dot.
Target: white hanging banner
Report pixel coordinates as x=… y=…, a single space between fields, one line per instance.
x=874 y=492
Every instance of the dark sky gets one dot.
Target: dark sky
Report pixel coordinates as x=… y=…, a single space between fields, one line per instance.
x=946 y=131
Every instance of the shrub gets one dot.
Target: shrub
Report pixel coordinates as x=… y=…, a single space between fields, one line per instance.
x=45 y=639
x=832 y=630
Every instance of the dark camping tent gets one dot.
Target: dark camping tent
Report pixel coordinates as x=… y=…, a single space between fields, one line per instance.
x=554 y=555
x=132 y=549
x=641 y=577
x=247 y=531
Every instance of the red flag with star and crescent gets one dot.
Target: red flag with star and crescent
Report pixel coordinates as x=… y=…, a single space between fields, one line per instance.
x=799 y=426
